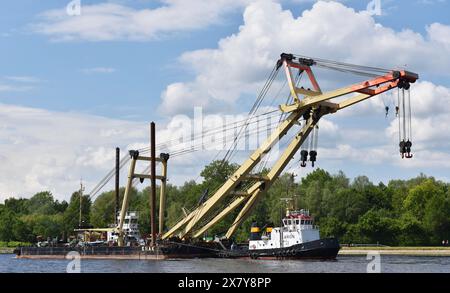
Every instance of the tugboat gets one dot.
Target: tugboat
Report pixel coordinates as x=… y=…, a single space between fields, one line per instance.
x=297 y=238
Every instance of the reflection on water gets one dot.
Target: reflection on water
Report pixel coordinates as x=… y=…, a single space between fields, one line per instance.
x=356 y=264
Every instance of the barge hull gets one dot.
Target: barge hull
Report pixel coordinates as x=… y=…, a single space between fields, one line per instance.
x=326 y=248
x=104 y=252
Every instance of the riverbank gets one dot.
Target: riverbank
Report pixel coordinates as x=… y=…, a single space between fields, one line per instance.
x=345 y=264
x=6 y=250
x=7 y=247
x=413 y=251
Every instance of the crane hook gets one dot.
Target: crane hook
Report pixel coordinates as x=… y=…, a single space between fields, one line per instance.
x=402 y=148
x=408 y=146
x=303 y=157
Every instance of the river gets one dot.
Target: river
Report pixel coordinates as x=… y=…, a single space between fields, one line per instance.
x=343 y=264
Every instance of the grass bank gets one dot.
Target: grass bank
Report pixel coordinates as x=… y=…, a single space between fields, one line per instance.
x=6 y=250
x=400 y=250
x=8 y=246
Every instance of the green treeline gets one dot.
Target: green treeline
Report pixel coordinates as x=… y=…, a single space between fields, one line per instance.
x=403 y=212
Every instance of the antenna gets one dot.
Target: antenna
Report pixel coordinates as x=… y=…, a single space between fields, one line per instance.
x=81 y=199
x=286 y=202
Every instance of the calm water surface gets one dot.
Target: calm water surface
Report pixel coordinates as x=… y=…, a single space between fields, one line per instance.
x=356 y=264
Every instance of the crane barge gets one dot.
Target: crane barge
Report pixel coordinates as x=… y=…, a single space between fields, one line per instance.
x=297 y=237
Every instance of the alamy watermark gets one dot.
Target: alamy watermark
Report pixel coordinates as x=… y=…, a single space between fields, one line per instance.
x=215 y=132
x=374 y=265
x=74 y=266
x=374 y=7
x=73 y=8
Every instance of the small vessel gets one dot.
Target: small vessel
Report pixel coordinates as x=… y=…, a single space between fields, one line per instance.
x=297 y=238
x=135 y=247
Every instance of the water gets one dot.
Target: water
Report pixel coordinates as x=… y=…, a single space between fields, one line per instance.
x=343 y=264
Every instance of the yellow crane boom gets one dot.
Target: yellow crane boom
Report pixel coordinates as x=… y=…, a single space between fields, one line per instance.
x=314 y=105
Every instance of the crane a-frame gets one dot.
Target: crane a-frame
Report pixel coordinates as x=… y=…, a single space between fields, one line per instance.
x=308 y=104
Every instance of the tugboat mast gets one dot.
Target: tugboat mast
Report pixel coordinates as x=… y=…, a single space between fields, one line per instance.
x=81 y=199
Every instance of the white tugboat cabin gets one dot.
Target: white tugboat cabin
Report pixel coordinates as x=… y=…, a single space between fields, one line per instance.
x=298 y=227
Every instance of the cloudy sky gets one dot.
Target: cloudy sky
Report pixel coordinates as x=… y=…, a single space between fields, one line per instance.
x=73 y=87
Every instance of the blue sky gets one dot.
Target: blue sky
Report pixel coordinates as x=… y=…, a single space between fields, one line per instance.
x=53 y=67
x=142 y=68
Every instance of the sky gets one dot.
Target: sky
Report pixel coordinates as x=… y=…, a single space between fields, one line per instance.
x=73 y=86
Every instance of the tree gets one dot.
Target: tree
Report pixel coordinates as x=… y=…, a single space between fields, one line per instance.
x=419 y=195
x=347 y=205
x=437 y=217
x=318 y=175
x=45 y=226
x=7 y=221
x=102 y=210
x=405 y=212
x=22 y=232
x=377 y=227
x=42 y=203
x=216 y=173
x=411 y=231
x=332 y=227
x=17 y=205
x=70 y=218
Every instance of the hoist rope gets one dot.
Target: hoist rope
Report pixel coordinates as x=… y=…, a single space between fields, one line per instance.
x=145 y=150
x=404 y=114
x=409 y=116
x=399 y=116
x=316 y=136
x=253 y=110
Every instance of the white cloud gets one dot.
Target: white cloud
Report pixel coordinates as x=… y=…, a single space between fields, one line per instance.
x=49 y=150
x=431 y=1
x=364 y=144
x=17 y=83
x=329 y=30
x=430 y=119
x=98 y=70
x=439 y=33
x=23 y=79
x=113 y=21
x=13 y=88
x=46 y=150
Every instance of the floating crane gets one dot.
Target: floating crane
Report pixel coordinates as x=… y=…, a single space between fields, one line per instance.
x=242 y=190
x=310 y=105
